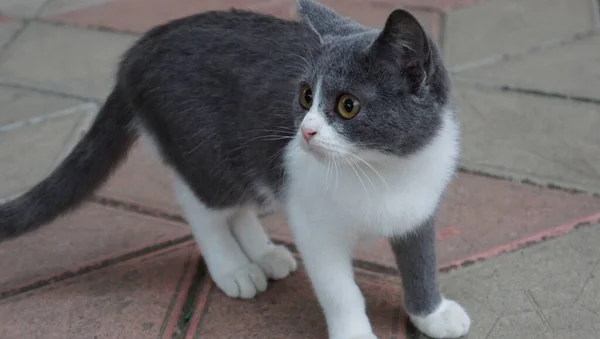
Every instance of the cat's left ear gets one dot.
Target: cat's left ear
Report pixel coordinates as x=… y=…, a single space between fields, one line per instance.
x=326 y=22
x=404 y=40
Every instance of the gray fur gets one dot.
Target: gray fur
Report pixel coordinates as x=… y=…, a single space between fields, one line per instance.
x=416 y=259
x=218 y=91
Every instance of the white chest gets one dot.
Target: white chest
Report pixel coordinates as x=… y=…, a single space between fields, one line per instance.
x=380 y=200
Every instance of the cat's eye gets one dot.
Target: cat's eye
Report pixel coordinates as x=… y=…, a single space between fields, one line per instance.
x=306 y=97
x=348 y=106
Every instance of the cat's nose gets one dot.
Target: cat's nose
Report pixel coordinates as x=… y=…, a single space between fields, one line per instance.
x=308 y=133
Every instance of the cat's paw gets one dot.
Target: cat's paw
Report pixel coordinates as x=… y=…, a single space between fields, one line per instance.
x=244 y=283
x=449 y=321
x=365 y=336
x=278 y=262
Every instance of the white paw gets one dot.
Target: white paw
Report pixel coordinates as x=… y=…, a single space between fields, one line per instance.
x=278 y=262
x=365 y=336
x=449 y=321
x=244 y=283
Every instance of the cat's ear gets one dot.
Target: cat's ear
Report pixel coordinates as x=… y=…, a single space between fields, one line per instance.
x=404 y=40
x=326 y=22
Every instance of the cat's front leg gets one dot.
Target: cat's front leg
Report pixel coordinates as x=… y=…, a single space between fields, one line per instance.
x=327 y=256
x=428 y=310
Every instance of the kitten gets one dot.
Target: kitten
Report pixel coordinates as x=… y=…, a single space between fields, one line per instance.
x=348 y=129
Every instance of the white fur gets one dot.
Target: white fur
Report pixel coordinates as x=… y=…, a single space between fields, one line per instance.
x=239 y=255
x=449 y=321
x=337 y=194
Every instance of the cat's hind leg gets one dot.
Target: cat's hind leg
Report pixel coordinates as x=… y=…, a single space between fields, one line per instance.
x=232 y=271
x=276 y=260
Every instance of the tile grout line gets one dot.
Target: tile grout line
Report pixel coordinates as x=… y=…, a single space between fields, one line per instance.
x=478 y=84
x=180 y=297
x=519 y=244
x=494 y=59
x=528 y=181
x=199 y=309
x=86 y=107
x=8 y=83
x=95 y=264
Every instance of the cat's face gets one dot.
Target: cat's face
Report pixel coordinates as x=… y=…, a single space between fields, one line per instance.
x=368 y=94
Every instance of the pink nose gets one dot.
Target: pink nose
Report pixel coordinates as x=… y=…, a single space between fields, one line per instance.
x=308 y=133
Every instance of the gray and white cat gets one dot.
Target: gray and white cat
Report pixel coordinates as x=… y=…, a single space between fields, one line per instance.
x=348 y=129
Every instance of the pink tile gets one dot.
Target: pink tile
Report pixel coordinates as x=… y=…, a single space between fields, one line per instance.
x=366 y=12
x=88 y=236
x=130 y=300
x=140 y=15
x=142 y=180
x=290 y=310
x=490 y=212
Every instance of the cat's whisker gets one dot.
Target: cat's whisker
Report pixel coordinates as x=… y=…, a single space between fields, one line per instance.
x=372 y=168
x=366 y=176
x=327 y=173
x=359 y=178
x=336 y=176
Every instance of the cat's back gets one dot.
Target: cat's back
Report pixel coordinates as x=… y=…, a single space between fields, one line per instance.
x=235 y=39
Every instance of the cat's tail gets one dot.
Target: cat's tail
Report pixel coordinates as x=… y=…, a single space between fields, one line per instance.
x=88 y=166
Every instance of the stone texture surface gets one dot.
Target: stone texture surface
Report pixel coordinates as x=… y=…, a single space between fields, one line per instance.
x=571 y=69
x=143 y=180
x=8 y=28
x=56 y=7
x=74 y=61
x=29 y=153
x=496 y=27
x=119 y=15
x=546 y=291
x=21 y=104
x=140 y=15
x=129 y=300
x=533 y=137
x=91 y=233
x=21 y=8
x=274 y=312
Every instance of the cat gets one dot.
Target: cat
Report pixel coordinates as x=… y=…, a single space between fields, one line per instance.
x=348 y=129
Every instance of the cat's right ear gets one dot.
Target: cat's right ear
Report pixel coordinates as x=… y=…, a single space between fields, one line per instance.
x=326 y=22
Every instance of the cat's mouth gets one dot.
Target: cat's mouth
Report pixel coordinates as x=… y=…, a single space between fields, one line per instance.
x=316 y=151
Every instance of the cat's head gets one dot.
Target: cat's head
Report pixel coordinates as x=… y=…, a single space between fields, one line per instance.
x=368 y=92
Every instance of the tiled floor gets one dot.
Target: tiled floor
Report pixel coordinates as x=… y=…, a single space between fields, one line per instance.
x=124 y=265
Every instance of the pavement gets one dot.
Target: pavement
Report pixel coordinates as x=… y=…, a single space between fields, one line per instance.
x=518 y=230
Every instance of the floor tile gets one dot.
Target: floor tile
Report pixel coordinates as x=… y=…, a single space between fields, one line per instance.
x=18 y=104
x=368 y=13
x=507 y=289
x=525 y=136
x=21 y=8
x=8 y=28
x=29 y=153
x=289 y=309
x=56 y=7
x=130 y=300
x=140 y=15
x=90 y=234
x=506 y=26
x=142 y=180
x=571 y=69
x=65 y=59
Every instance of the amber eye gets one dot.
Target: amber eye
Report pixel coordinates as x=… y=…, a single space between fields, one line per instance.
x=348 y=106
x=306 y=97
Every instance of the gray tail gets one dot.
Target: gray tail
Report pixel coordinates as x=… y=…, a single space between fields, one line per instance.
x=87 y=167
